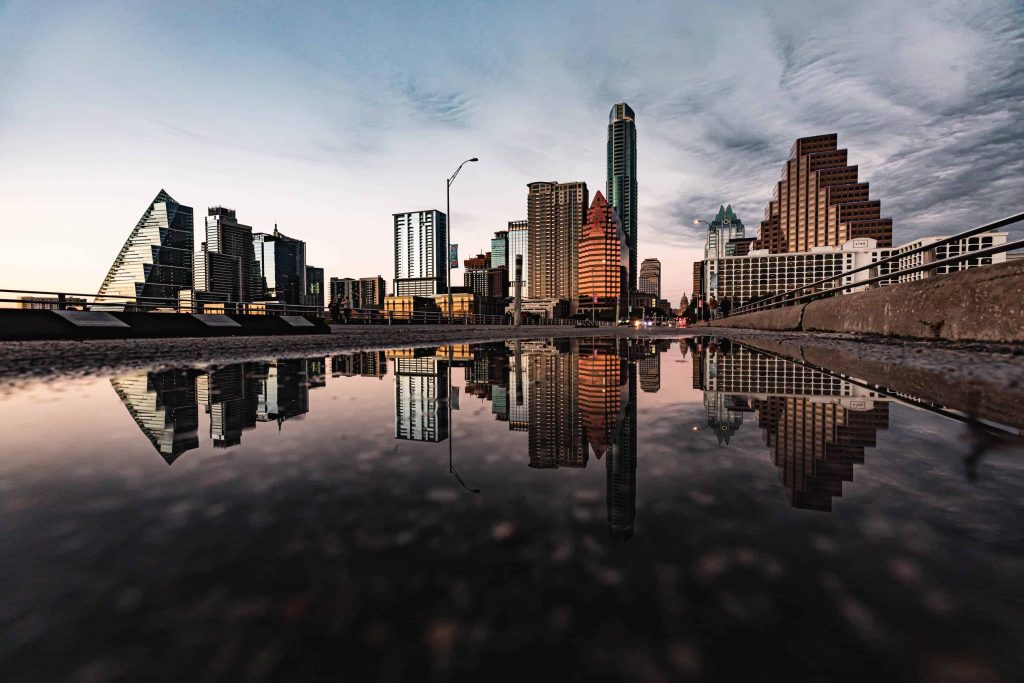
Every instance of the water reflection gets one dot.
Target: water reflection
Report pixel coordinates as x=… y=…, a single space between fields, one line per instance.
x=576 y=399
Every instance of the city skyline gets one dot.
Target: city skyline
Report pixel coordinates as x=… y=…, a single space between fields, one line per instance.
x=299 y=164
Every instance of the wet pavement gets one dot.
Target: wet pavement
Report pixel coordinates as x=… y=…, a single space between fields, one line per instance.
x=589 y=508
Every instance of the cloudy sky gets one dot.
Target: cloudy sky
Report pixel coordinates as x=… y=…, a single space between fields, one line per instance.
x=326 y=120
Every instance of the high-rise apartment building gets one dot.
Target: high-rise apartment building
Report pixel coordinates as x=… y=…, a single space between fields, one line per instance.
x=371 y=292
x=650 y=277
x=280 y=268
x=622 y=187
x=604 y=256
x=226 y=268
x=420 y=258
x=519 y=245
x=556 y=213
x=820 y=202
x=156 y=260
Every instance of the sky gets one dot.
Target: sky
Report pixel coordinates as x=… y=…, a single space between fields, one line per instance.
x=326 y=120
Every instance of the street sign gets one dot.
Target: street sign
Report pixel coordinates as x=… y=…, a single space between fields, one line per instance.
x=453 y=256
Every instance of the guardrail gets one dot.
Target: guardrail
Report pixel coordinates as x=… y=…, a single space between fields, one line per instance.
x=789 y=297
x=367 y=316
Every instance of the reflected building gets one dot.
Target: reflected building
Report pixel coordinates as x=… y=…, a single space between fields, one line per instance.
x=155 y=262
x=283 y=389
x=163 y=405
x=649 y=369
x=621 y=466
x=231 y=396
x=519 y=388
x=816 y=425
x=364 y=363
x=421 y=397
x=555 y=429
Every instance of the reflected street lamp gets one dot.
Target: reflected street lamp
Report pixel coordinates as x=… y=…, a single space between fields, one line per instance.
x=448 y=231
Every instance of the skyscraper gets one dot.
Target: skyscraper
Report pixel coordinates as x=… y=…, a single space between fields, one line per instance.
x=819 y=202
x=156 y=260
x=604 y=257
x=226 y=268
x=556 y=213
x=420 y=261
x=650 y=277
x=622 y=188
x=519 y=245
x=280 y=268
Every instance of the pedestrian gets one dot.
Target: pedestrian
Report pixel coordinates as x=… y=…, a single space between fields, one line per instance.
x=713 y=307
x=334 y=308
x=346 y=306
x=726 y=307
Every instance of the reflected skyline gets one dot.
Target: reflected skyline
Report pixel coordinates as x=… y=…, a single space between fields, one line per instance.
x=576 y=399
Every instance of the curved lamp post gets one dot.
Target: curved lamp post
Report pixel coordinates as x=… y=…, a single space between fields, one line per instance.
x=448 y=231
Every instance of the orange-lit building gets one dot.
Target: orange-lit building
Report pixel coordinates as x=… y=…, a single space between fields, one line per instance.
x=604 y=258
x=819 y=202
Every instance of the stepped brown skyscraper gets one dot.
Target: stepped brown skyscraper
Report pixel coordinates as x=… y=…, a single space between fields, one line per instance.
x=621 y=188
x=819 y=202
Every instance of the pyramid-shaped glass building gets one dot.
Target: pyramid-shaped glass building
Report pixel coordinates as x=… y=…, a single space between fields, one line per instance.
x=155 y=264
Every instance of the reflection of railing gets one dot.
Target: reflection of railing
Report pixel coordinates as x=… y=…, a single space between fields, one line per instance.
x=189 y=302
x=790 y=297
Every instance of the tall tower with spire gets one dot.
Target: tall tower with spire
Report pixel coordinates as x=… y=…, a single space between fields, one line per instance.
x=621 y=189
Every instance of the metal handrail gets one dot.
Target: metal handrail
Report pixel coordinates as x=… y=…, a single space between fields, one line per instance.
x=786 y=298
x=183 y=306
x=355 y=315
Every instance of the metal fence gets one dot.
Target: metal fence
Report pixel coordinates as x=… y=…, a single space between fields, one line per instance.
x=793 y=296
x=64 y=301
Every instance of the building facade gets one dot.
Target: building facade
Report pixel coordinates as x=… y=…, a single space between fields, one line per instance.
x=556 y=213
x=499 y=249
x=372 y=291
x=621 y=187
x=314 y=286
x=475 y=277
x=155 y=264
x=604 y=259
x=420 y=258
x=280 y=268
x=650 y=277
x=761 y=273
x=226 y=268
x=519 y=245
x=819 y=201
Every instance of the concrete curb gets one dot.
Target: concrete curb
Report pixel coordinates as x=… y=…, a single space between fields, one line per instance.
x=981 y=304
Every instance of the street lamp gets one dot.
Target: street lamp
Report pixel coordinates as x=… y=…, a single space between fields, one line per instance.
x=448 y=231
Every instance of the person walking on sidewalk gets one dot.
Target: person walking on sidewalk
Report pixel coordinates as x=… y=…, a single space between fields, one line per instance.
x=713 y=307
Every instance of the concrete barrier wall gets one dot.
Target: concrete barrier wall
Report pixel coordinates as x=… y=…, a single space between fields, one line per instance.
x=981 y=304
x=27 y=325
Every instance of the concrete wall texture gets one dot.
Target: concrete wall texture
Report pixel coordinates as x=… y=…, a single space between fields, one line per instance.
x=981 y=304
